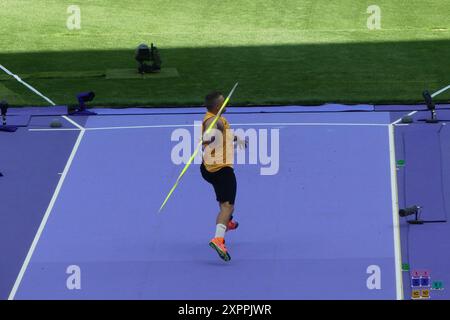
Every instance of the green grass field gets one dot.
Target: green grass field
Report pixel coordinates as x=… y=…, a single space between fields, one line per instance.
x=281 y=52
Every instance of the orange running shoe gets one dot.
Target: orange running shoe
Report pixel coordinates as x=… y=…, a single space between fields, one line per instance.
x=232 y=225
x=218 y=244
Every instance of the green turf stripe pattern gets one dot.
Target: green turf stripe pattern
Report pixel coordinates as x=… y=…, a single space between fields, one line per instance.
x=9 y=95
x=133 y=74
x=57 y=75
x=302 y=52
x=108 y=74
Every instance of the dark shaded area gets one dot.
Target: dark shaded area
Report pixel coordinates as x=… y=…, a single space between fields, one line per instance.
x=424 y=180
x=30 y=163
x=385 y=72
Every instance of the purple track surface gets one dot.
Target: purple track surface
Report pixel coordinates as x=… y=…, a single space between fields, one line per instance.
x=30 y=163
x=425 y=181
x=40 y=111
x=309 y=232
x=19 y=121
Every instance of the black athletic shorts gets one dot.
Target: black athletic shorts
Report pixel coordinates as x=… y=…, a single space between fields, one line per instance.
x=223 y=181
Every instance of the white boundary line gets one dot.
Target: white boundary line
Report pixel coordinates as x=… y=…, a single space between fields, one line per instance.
x=235 y=124
x=400 y=120
x=47 y=212
x=73 y=122
x=27 y=85
x=311 y=124
x=440 y=91
x=144 y=127
x=60 y=129
x=395 y=216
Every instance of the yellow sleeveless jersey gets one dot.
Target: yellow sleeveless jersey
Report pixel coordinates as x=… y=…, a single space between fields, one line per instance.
x=220 y=153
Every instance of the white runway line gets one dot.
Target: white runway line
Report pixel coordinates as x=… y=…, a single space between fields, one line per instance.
x=73 y=122
x=143 y=127
x=311 y=124
x=235 y=125
x=59 y=129
x=395 y=216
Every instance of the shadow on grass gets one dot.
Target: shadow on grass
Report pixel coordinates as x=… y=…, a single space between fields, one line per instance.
x=383 y=72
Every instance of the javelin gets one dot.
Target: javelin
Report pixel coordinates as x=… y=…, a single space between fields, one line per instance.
x=216 y=118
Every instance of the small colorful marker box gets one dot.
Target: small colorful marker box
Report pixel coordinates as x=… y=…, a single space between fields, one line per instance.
x=415 y=294
x=415 y=279
x=425 y=281
x=437 y=285
x=425 y=294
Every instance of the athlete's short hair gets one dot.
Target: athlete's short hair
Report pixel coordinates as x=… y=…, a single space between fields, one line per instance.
x=211 y=99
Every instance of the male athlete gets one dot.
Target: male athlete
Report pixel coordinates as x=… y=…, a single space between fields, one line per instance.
x=217 y=168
